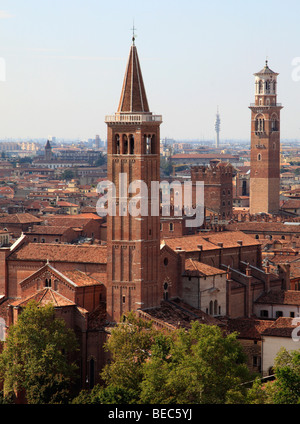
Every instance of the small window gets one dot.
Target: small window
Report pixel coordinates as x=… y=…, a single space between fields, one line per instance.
x=123 y=299
x=166 y=261
x=48 y=282
x=278 y=314
x=171 y=226
x=292 y=314
x=257 y=237
x=264 y=313
x=259 y=157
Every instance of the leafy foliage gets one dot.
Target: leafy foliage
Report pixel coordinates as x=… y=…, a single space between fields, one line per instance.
x=148 y=366
x=35 y=359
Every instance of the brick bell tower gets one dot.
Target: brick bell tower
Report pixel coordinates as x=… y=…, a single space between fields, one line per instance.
x=133 y=241
x=265 y=144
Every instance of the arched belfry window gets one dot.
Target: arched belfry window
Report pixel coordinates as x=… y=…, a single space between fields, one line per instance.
x=153 y=140
x=131 y=145
x=259 y=124
x=148 y=144
x=268 y=86
x=274 y=122
x=260 y=87
x=117 y=144
x=125 y=145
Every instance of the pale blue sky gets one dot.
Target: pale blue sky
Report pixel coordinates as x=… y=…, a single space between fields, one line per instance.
x=65 y=62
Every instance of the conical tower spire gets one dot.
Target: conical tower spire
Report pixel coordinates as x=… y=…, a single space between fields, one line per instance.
x=133 y=96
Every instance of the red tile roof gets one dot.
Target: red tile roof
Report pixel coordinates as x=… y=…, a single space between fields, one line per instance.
x=210 y=241
x=61 y=253
x=44 y=297
x=282 y=327
x=248 y=328
x=19 y=218
x=280 y=297
x=199 y=268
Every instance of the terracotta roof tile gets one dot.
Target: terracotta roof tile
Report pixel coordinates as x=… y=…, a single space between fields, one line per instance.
x=179 y=314
x=248 y=328
x=280 y=297
x=282 y=327
x=198 y=268
x=61 y=253
x=44 y=297
x=210 y=241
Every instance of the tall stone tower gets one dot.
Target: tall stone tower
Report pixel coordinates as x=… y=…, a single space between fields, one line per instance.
x=48 y=151
x=265 y=144
x=133 y=241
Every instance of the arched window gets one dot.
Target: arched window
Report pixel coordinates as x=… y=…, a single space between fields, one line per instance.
x=274 y=123
x=153 y=150
x=211 y=307
x=259 y=156
x=259 y=124
x=260 y=87
x=166 y=294
x=48 y=282
x=131 y=145
x=117 y=144
x=215 y=307
x=148 y=144
x=125 y=145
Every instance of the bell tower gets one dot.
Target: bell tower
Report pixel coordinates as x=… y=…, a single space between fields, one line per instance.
x=265 y=144
x=133 y=240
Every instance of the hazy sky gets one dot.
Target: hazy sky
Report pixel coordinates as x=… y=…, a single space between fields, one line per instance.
x=65 y=61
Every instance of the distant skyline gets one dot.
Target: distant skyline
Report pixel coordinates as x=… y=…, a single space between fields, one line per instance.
x=64 y=63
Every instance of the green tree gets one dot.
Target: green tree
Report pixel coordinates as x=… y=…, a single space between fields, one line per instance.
x=200 y=366
x=68 y=174
x=129 y=346
x=286 y=387
x=37 y=357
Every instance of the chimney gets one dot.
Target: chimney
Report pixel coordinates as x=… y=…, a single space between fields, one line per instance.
x=240 y=242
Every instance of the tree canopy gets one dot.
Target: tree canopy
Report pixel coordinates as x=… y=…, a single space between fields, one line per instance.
x=36 y=359
x=200 y=365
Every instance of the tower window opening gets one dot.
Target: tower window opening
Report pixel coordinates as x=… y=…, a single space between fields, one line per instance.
x=48 y=282
x=259 y=157
x=125 y=145
x=153 y=145
x=131 y=145
x=148 y=145
x=259 y=125
x=117 y=145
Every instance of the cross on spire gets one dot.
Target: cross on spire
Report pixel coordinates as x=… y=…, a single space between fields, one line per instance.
x=133 y=33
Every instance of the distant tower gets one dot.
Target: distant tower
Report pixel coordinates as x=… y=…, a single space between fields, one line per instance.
x=217 y=128
x=265 y=144
x=133 y=242
x=48 y=151
x=97 y=142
